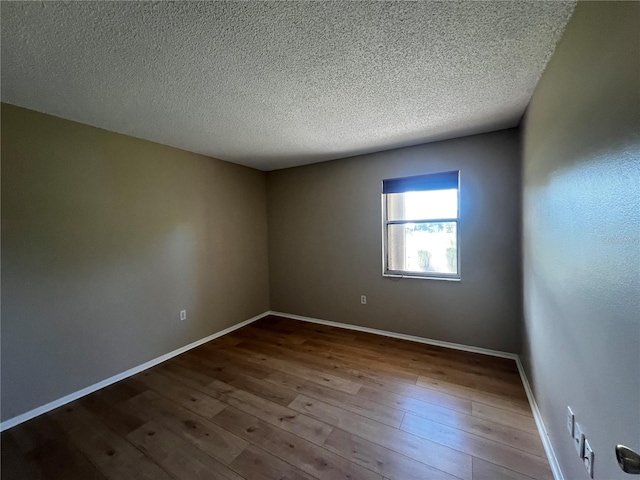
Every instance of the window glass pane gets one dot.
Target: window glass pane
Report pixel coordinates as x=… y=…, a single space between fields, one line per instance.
x=427 y=205
x=423 y=248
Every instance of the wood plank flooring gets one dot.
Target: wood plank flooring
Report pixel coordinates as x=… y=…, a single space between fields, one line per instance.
x=283 y=399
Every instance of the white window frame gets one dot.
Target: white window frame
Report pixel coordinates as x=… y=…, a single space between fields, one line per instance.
x=386 y=272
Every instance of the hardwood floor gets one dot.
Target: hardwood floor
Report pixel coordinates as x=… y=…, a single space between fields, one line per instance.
x=283 y=399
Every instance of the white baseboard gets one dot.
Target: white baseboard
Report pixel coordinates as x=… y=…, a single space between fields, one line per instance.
x=542 y=431
x=12 y=422
x=553 y=461
x=402 y=336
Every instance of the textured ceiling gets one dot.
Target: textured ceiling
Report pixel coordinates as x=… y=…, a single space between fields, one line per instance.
x=277 y=84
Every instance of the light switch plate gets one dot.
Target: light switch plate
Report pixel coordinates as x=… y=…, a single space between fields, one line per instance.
x=570 y=420
x=578 y=439
x=588 y=458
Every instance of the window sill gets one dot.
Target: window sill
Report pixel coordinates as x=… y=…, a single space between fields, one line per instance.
x=421 y=277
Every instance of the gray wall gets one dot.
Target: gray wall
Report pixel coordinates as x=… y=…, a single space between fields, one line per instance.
x=582 y=236
x=325 y=243
x=104 y=239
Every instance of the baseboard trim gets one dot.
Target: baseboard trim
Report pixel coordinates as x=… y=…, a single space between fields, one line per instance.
x=542 y=430
x=12 y=422
x=401 y=336
x=544 y=436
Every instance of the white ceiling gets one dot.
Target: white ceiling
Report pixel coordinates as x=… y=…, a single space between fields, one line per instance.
x=277 y=84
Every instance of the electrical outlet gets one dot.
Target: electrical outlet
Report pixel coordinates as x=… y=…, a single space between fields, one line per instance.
x=363 y=299
x=183 y=315
x=578 y=439
x=570 y=420
x=587 y=457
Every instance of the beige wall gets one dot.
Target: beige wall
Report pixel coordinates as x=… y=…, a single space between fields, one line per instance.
x=105 y=238
x=582 y=236
x=325 y=243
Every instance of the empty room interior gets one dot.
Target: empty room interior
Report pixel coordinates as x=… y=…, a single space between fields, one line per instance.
x=320 y=240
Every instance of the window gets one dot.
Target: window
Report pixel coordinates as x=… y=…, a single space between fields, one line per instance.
x=420 y=226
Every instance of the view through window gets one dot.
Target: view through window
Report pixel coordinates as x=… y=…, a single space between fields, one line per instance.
x=421 y=226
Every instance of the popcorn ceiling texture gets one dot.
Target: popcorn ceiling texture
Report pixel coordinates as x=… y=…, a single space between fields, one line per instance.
x=277 y=84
